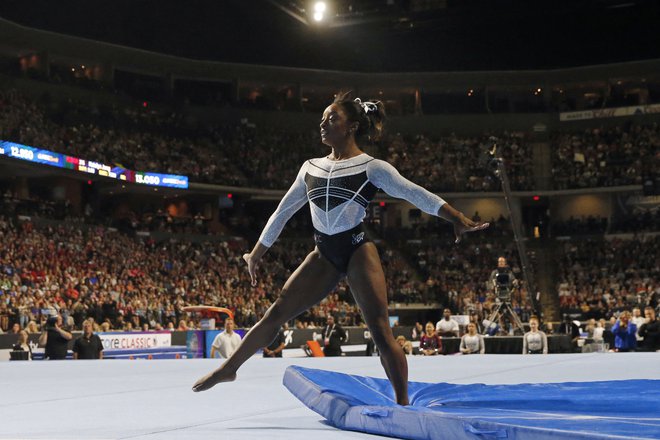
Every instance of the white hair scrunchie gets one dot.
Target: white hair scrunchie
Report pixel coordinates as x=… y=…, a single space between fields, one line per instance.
x=368 y=106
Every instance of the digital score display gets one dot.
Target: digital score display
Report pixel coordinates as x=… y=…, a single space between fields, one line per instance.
x=36 y=155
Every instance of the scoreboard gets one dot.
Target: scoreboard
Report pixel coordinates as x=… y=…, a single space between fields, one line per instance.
x=40 y=156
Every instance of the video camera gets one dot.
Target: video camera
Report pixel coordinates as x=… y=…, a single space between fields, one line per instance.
x=51 y=322
x=503 y=283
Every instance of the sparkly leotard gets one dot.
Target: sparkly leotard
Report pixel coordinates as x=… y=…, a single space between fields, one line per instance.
x=340 y=191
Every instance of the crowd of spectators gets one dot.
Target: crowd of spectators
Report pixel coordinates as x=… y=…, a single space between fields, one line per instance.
x=459 y=276
x=457 y=163
x=435 y=229
x=136 y=140
x=455 y=276
x=589 y=225
x=148 y=220
x=131 y=281
x=636 y=222
x=598 y=278
x=243 y=154
x=606 y=156
x=128 y=283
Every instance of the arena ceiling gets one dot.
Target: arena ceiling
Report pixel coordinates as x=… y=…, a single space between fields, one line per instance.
x=365 y=35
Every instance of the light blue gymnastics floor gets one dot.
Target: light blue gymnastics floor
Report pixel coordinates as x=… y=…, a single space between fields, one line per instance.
x=123 y=399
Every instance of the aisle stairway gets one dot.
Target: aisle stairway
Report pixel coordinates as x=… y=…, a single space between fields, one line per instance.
x=546 y=272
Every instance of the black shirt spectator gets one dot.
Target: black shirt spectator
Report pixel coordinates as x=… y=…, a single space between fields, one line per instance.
x=333 y=336
x=89 y=345
x=55 y=339
x=650 y=331
x=275 y=348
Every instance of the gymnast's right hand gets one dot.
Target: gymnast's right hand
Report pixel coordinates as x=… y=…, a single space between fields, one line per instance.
x=252 y=268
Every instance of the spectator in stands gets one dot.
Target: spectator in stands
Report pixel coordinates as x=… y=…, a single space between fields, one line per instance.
x=55 y=339
x=430 y=344
x=472 y=342
x=549 y=328
x=608 y=336
x=277 y=346
x=417 y=331
x=333 y=336
x=650 y=331
x=226 y=342
x=475 y=319
x=570 y=328
x=447 y=326
x=638 y=320
x=342 y=247
x=405 y=344
x=598 y=331
x=590 y=328
x=23 y=344
x=624 y=333
x=88 y=345
x=32 y=327
x=535 y=341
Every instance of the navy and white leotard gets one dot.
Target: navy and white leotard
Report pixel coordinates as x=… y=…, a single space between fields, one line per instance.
x=340 y=191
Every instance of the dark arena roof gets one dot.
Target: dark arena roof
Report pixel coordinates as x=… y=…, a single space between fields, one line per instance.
x=365 y=35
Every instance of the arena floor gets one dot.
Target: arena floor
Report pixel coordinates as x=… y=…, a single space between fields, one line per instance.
x=153 y=399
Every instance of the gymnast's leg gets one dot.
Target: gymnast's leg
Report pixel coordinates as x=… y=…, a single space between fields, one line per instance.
x=367 y=282
x=308 y=285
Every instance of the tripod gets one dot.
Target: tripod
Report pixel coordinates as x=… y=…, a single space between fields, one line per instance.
x=502 y=307
x=497 y=163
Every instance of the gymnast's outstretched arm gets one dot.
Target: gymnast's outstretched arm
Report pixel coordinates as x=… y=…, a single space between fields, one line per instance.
x=293 y=200
x=387 y=178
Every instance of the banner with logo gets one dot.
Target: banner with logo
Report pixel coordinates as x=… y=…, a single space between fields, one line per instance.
x=635 y=202
x=616 y=112
x=135 y=340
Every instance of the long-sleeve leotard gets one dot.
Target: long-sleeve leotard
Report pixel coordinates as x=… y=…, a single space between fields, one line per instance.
x=340 y=191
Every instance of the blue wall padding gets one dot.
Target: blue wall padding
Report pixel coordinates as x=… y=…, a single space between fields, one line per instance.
x=626 y=409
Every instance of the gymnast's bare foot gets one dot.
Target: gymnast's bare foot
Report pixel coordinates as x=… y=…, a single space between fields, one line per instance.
x=212 y=379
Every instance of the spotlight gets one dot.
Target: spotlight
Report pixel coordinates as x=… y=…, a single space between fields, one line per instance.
x=318 y=16
x=319 y=7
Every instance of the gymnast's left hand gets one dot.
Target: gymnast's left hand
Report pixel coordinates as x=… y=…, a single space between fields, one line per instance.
x=252 y=263
x=462 y=224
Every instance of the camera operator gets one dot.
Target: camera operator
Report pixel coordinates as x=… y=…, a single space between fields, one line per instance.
x=55 y=339
x=502 y=279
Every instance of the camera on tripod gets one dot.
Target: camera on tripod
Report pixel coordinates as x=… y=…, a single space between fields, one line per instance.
x=503 y=283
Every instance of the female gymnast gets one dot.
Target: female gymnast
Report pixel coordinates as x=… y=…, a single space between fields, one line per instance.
x=339 y=188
